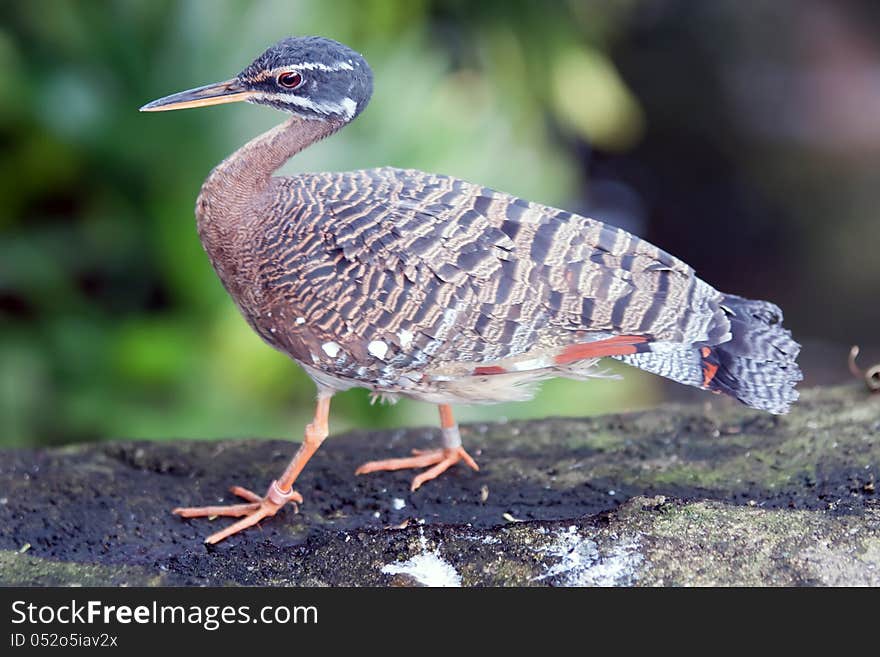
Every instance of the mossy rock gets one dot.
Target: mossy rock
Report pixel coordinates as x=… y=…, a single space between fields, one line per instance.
x=714 y=494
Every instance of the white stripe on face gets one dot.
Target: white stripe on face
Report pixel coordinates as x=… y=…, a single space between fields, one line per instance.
x=345 y=109
x=318 y=66
x=307 y=66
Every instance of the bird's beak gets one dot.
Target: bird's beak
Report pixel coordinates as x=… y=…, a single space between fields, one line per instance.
x=230 y=91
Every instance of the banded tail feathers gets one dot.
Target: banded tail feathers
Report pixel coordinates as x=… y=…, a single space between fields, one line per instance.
x=755 y=362
x=758 y=365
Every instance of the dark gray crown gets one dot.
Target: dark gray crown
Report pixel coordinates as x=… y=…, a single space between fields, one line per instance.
x=336 y=81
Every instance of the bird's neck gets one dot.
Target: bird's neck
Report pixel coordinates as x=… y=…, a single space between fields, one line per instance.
x=233 y=194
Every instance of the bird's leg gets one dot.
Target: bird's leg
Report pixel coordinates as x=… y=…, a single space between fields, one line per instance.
x=280 y=491
x=437 y=461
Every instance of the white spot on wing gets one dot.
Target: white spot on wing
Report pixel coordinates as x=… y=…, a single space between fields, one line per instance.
x=530 y=364
x=405 y=337
x=300 y=320
x=331 y=349
x=377 y=348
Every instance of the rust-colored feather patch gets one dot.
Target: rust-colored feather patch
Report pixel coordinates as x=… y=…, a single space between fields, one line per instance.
x=489 y=369
x=619 y=345
x=710 y=368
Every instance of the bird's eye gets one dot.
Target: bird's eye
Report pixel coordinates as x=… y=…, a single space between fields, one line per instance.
x=290 y=80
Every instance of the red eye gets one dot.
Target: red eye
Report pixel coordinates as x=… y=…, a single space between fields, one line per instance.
x=290 y=80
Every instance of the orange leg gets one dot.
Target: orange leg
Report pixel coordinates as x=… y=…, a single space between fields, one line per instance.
x=280 y=491
x=439 y=460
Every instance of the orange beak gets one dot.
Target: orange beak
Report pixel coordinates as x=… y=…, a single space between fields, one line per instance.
x=230 y=91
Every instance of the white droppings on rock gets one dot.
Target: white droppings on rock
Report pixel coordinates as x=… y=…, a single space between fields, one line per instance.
x=581 y=564
x=377 y=348
x=405 y=337
x=427 y=568
x=300 y=321
x=331 y=349
x=398 y=503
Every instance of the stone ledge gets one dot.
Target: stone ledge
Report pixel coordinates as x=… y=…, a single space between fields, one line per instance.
x=713 y=494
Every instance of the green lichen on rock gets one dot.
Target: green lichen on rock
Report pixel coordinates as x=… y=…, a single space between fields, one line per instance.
x=710 y=544
x=17 y=569
x=709 y=494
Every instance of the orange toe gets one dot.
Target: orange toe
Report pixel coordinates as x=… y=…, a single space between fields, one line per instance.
x=437 y=461
x=256 y=508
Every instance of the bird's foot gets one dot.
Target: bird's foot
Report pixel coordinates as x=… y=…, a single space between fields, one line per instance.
x=440 y=461
x=254 y=510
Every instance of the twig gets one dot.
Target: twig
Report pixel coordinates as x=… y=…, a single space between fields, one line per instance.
x=871 y=376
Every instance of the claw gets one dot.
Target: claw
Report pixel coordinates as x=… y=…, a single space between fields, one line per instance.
x=255 y=510
x=258 y=507
x=440 y=459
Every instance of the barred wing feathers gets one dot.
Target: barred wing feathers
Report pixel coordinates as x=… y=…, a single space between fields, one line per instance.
x=454 y=279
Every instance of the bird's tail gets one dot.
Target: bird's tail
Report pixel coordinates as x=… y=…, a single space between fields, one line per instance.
x=755 y=362
x=758 y=364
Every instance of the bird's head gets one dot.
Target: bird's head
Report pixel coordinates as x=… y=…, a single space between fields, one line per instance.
x=312 y=77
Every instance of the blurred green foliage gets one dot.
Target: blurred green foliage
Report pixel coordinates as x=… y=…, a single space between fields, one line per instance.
x=113 y=323
x=742 y=137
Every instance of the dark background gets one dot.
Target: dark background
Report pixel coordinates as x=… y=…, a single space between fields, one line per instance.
x=742 y=136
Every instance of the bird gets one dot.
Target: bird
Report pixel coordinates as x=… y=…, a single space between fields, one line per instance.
x=426 y=286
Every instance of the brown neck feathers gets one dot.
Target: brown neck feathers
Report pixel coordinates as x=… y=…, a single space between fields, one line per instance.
x=237 y=184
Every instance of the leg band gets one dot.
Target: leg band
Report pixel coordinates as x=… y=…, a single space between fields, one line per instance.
x=278 y=496
x=451 y=437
